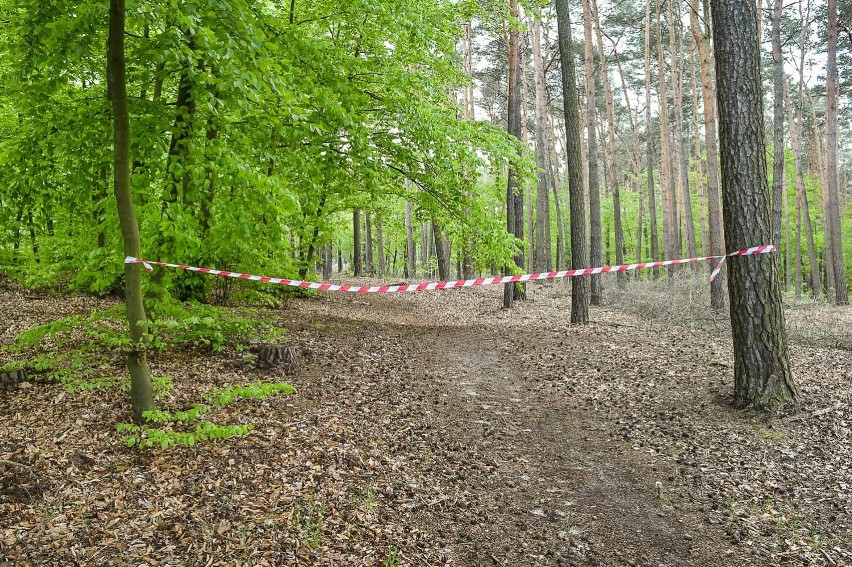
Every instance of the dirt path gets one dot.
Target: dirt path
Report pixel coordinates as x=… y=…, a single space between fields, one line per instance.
x=438 y=429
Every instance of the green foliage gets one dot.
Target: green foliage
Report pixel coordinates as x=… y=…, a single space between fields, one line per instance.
x=162 y=428
x=85 y=352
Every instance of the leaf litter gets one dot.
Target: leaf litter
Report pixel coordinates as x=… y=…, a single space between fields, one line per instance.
x=438 y=429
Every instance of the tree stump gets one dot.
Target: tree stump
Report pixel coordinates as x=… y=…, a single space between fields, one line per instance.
x=283 y=357
x=15 y=377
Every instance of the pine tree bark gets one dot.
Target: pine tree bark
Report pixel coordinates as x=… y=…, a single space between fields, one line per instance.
x=611 y=157
x=595 y=236
x=141 y=392
x=573 y=147
x=715 y=234
x=833 y=225
x=649 y=144
x=762 y=376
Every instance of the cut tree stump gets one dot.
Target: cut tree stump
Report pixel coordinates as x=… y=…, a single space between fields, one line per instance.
x=283 y=357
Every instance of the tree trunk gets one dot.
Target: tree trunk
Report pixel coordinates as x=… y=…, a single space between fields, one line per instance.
x=573 y=146
x=543 y=252
x=368 y=248
x=762 y=376
x=442 y=251
x=596 y=236
x=649 y=143
x=410 y=252
x=833 y=225
x=358 y=265
x=514 y=193
x=777 y=122
x=708 y=91
x=613 y=175
x=680 y=151
x=804 y=214
x=141 y=393
x=380 y=246
x=699 y=170
x=671 y=242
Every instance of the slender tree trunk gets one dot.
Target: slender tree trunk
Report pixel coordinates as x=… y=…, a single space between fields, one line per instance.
x=380 y=246
x=777 y=122
x=596 y=236
x=649 y=143
x=708 y=90
x=410 y=252
x=671 y=242
x=635 y=149
x=442 y=251
x=833 y=225
x=543 y=252
x=368 y=247
x=358 y=265
x=613 y=175
x=573 y=146
x=680 y=149
x=699 y=170
x=141 y=393
x=762 y=376
x=514 y=193
x=339 y=259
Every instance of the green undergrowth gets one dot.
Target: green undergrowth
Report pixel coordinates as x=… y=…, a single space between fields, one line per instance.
x=86 y=352
x=166 y=429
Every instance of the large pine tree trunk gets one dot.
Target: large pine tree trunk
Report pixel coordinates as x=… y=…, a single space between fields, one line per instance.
x=762 y=376
x=715 y=235
x=649 y=143
x=543 y=252
x=141 y=393
x=613 y=174
x=833 y=225
x=573 y=147
x=596 y=236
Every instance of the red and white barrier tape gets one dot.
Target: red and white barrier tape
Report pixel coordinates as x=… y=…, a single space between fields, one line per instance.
x=765 y=249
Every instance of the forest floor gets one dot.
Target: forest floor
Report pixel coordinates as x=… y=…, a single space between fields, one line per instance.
x=438 y=429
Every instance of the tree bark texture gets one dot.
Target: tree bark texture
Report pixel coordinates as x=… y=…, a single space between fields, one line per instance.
x=573 y=147
x=543 y=252
x=358 y=265
x=762 y=376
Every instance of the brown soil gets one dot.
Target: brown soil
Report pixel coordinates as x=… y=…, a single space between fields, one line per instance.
x=437 y=429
